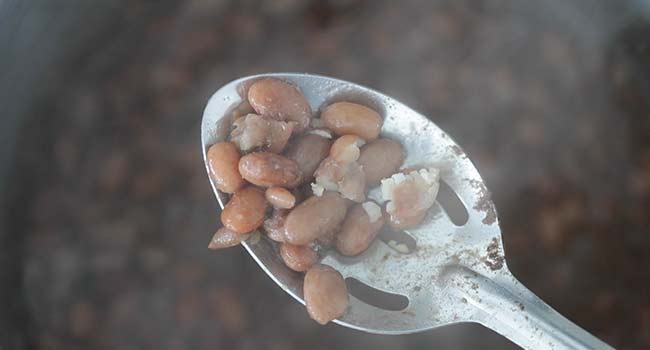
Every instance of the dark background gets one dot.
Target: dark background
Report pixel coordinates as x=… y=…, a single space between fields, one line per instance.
x=106 y=212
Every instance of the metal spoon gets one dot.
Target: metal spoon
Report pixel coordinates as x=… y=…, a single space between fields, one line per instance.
x=456 y=274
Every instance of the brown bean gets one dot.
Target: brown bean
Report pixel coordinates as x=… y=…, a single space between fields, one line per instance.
x=274 y=225
x=223 y=162
x=280 y=197
x=326 y=295
x=352 y=118
x=279 y=100
x=268 y=169
x=298 y=257
x=245 y=211
x=357 y=231
x=225 y=238
x=315 y=217
x=308 y=151
x=380 y=159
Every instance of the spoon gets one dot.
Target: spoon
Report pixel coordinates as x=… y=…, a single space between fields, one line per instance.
x=455 y=274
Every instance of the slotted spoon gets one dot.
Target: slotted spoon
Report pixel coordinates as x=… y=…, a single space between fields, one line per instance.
x=456 y=274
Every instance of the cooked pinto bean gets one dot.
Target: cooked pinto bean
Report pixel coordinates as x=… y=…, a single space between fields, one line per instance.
x=380 y=159
x=245 y=211
x=223 y=162
x=298 y=257
x=351 y=118
x=268 y=169
x=225 y=238
x=326 y=295
x=315 y=217
x=253 y=131
x=279 y=100
x=346 y=148
x=359 y=228
x=280 y=197
x=308 y=151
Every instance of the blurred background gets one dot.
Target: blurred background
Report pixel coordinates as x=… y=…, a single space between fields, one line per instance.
x=106 y=211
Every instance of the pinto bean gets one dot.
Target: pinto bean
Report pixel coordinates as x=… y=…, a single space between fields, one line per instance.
x=245 y=211
x=223 y=162
x=298 y=257
x=326 y=295
x=351 y=118
x=280 y=197
x=225 y=238
x=279 y=100
x=346 y=148
x=380 y=159
x=268 y=169
x=315 y=217
x=308 y=151
x=359 y=229
x=253 y=131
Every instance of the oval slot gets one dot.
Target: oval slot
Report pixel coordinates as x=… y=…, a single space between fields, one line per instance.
x=401 y=241
x=375 y=297
x=452 y=205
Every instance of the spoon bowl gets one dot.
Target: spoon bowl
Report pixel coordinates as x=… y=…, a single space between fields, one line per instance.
x=456 y=273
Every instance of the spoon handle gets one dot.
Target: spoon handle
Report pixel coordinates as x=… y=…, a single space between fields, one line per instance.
x=506 y=306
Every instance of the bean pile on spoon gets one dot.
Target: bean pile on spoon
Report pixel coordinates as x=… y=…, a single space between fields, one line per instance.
x=304 y=182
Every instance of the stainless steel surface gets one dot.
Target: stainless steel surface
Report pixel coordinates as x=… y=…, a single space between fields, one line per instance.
x=456 y=274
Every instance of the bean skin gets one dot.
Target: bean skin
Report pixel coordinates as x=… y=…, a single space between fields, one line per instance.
x=279 y=100
x=280 y=198
x=326 y=295
x=225 y=238
x=267 y=169
x=357 y=231
x=298 y=257
x=315 y=217
x=308 y=151
x=223 y=161
x=352 y=118
x=380 y=159
x=245 y=211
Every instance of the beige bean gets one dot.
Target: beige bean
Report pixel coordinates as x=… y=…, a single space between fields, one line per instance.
x=380 y=159
x=346 y=148
x=315 y=217
x=308 y=151
x=274 y=225
x=357 y=231
x=223 y=162
x=245 y=211
x=351 y=118
x=280 y=198
x=268 y=169
x=279 y=100
x=298 y=257
x=225 y=238
x=326 y=295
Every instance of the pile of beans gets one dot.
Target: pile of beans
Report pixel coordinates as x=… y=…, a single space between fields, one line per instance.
x=304 y=181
